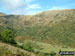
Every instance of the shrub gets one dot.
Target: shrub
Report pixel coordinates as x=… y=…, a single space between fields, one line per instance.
x=8 y=36
x=52 y=53
x=28 y=45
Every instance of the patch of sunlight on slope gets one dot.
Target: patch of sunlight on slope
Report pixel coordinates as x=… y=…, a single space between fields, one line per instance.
x=47 y=48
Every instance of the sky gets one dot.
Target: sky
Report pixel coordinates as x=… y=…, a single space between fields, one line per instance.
x=30 y=7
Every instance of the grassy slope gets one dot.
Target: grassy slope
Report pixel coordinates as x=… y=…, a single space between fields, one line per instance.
x=14 y=50
x=48 y=48
x=44 y=47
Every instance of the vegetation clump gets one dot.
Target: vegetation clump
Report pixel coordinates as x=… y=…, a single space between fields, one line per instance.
x=8 y=36
x=28 y=45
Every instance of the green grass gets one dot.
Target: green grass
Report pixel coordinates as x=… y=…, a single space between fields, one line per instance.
x=47 y=48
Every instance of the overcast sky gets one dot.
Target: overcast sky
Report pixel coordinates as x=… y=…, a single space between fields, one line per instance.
x=29 y=7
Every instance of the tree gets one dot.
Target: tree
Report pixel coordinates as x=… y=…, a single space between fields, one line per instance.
x=8 y=36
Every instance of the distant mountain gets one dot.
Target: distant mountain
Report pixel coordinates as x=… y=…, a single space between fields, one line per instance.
x=55 y=27
x=2 y=14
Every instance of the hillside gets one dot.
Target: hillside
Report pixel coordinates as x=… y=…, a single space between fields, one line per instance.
x=9 y=50
x=56 y=27
x=2 y=14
